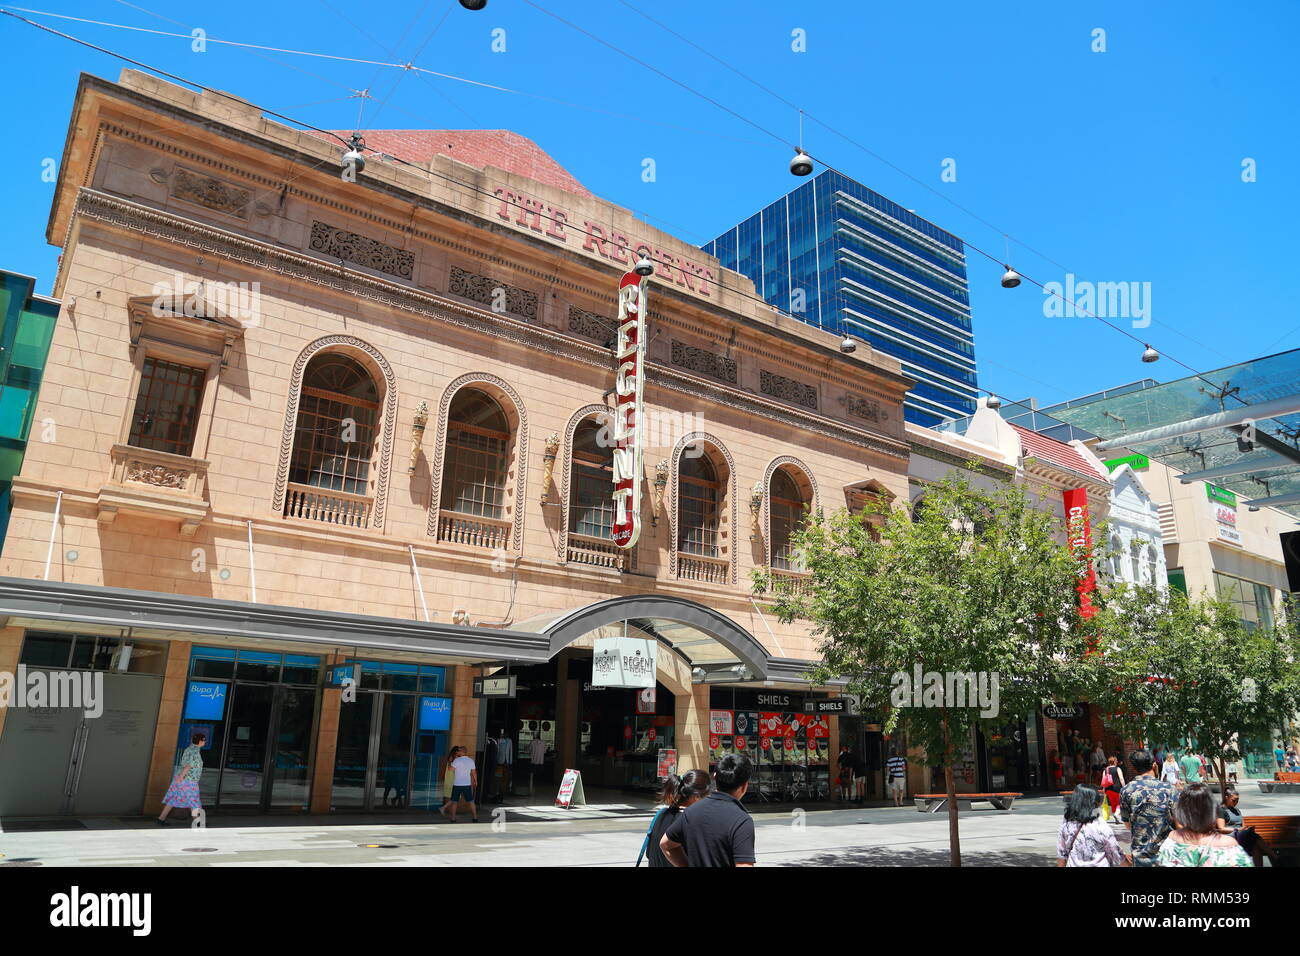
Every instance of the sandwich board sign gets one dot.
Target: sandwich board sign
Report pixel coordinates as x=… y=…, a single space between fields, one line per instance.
x=571 y=794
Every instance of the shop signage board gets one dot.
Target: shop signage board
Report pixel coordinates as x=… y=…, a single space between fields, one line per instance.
x=629 y=386
x=1136 y=462
x=1080 y=529
x=205 y=700
x=623 y=662
x=835 y=706
x=435 y=714
x=1220 y=495
x=1061 y=711
x=1225 y=517
x=571 y=794
x=667 y=763
x=495 y=686
x=337 y=677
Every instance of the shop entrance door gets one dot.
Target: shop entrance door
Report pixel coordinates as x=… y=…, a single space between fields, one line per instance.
x=376 y=747
x=266 y=748
x=59 y=761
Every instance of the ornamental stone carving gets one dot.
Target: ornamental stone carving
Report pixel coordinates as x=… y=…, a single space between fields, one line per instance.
x=787 y=389
x=210 y=192
x=704 y=362
x=157 y=475
x=590 y=325
x=497 y=296
x=361 y=250
x=865 y=408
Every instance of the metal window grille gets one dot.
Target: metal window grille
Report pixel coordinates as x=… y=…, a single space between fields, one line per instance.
x=167 y=407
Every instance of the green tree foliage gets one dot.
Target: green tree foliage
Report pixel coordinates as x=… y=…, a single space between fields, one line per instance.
x=976 y=582
x=1175 y=672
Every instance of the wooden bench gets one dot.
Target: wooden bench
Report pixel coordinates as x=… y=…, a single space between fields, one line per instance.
x=933 y=802
x=1282 y=834
x=1282 y=776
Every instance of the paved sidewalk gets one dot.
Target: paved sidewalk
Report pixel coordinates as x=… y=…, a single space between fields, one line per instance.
x=594 y=836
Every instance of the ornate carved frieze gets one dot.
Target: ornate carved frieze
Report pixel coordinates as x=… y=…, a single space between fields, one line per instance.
x=865 y=408
x=361 y=250
x=151 y=474
x=210 y=192
x=704 y=362
x=788 y=389
x=497 y=296
x=590 y=325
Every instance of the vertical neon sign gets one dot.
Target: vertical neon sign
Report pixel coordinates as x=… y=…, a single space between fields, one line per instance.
x=629 y=382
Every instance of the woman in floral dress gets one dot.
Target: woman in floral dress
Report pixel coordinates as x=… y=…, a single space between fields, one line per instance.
x=1196 y=841
x=184 y=791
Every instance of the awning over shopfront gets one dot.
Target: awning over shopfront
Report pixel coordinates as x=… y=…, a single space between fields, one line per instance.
x=39 y=603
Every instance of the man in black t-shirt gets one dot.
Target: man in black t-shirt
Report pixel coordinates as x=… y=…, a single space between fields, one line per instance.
x=717 y=831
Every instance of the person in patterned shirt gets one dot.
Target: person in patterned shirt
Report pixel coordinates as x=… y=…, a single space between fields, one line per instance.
x=1147 y=804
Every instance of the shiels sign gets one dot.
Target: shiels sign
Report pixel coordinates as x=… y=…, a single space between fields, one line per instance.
x=623 y=662
x=629 y=382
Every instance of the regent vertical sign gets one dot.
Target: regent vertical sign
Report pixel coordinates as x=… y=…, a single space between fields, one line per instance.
x=629 y=382
x=1080 y=540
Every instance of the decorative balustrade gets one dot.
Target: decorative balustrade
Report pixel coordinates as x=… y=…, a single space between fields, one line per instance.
x=326 y=505
x=473 y=530
x=794 y=583
x=155 y=484
x=696 y=567
x=599 y=553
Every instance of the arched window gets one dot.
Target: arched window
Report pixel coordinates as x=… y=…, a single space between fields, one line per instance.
x=478 y=456
x=591 y=505
x=1135 y=561
x=334 y=436
x=699 y=508
x=1116 y=557
x=1153 y=564
x=786 y=511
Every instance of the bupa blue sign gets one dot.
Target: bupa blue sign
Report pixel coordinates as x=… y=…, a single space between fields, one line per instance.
x=435 y=713
x=205 y=700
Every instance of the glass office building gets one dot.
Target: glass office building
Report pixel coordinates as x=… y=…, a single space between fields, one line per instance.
x=837 y=255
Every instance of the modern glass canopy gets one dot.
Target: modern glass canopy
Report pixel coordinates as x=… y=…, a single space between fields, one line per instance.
x=1268 y=469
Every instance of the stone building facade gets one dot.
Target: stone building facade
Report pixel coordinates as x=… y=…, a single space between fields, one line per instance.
x=285 y=413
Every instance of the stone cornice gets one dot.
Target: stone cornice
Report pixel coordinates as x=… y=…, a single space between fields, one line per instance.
x=137 y=218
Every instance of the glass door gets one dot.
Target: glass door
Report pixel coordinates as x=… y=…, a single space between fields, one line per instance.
x=290 y=783
x=391 y=789
x=352 y=753
x=248 y=731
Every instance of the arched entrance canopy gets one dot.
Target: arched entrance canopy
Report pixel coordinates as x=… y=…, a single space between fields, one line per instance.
x=705 y=638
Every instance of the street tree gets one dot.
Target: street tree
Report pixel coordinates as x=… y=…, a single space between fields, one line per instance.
x=962 y=614
x=1189 y=672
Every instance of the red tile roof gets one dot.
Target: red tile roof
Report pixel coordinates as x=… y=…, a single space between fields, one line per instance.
x=476 y=147
x=1056 y=452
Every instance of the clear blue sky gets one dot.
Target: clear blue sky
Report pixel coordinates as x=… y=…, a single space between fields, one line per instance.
x=1123 y=165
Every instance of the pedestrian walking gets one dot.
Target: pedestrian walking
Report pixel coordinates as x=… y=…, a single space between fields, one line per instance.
x=1197 y=840
x=1169 y=771
x=1084 y=839
x=1145 y=803
x=678 y=794
x=896 y=771
x=184 y=789
x=1098 y=762
x=1112 y=781
x=717 y=831
x=463 y=784
x=845 y=764
x=1192 y=768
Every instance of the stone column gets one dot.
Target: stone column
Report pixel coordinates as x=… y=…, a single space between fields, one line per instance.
x=327 y=741
x=170 y=710
x=691 y=723
x=566 y=718
x=11 y=643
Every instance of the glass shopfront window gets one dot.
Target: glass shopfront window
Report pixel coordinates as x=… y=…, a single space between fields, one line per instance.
x=789 y=747
x=1254 y=602
x=258 y=709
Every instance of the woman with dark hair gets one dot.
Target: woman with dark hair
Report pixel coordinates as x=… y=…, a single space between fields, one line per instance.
x=1196 y=840
x=689 y=788
x=1084 y=840
x=184 y=791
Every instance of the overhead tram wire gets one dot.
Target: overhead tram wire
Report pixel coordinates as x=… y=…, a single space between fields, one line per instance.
x=773 y=135
x=534 y=213
x=368 y=62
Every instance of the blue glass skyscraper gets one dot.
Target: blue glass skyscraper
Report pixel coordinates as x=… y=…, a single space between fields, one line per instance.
x=840 y=256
